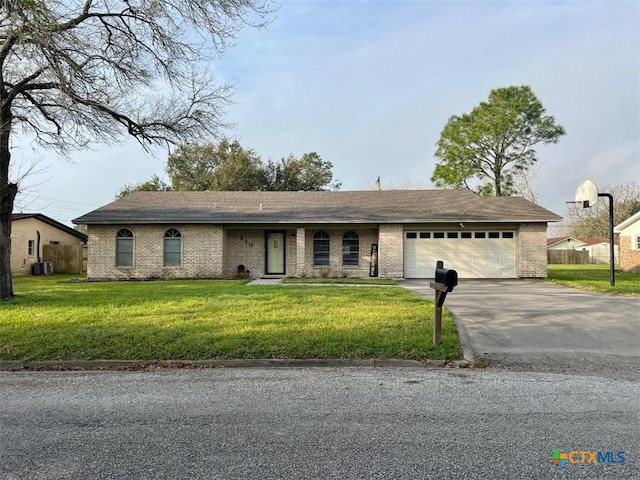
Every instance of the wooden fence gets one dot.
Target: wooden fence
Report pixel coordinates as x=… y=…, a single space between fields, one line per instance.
x=69 y=259
x=575 y=257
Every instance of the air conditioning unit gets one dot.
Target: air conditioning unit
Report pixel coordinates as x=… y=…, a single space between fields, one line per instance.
x=37 y=268
x=42 y=268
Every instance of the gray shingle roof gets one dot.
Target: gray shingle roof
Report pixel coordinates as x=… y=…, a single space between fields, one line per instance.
x=367 y=206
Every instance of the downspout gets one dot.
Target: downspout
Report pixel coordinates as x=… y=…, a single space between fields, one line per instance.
x=38 y=245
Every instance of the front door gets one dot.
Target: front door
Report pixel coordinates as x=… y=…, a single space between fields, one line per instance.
x=275 y=253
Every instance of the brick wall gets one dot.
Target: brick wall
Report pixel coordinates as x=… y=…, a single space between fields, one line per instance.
x=201 y=252
x=367 y=236
x=243 y=247
x=301 y=244
x=247 y=247
x=532 y=252
x=209 y=251
x=629 y=258
x=390 y=251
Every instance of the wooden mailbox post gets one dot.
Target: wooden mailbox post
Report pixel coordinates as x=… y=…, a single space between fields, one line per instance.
x=443 y=283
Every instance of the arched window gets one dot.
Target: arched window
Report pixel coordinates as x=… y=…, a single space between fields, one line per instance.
x=350 y=249
x=321 y=249
x=172 y=248
x=124 y=248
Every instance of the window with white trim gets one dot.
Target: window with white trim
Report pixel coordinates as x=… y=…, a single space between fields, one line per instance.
x=321 y=249
x=350 y=249
x=172 y=248
x=124 y=248
x=636 y=243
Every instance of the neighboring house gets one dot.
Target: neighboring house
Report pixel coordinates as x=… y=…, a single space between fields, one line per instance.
x=629 y=232
x=391 y=233
x=597 y=248
x=564 y=243
x=24 y=239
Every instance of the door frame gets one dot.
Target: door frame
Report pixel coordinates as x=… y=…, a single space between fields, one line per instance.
x=266 y=251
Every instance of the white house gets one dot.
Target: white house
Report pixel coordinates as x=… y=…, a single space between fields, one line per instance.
x=629 y=232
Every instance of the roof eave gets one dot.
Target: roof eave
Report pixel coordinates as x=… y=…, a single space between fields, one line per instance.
x=301 y=221
x=627 y=223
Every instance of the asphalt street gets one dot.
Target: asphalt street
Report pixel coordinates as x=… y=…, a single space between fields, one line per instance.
x=329 y=423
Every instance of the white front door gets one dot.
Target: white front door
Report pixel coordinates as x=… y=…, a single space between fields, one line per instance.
x=275 y=253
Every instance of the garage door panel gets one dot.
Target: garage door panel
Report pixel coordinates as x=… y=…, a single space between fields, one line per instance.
x=484 y=255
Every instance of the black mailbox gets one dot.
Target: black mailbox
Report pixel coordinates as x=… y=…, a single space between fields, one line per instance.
x=447 y=277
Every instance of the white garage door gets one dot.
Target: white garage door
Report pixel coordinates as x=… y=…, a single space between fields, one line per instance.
x=490 y=254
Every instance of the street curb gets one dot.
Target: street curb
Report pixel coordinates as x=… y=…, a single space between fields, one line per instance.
x=465 y=341
x=138 y=365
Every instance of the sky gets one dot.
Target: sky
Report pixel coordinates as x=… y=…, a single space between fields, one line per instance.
x=369 y=85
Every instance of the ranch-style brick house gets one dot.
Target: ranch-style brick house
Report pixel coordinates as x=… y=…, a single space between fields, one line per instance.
x=389 y=233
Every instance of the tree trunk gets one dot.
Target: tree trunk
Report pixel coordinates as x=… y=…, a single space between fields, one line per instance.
x=497 y=177
x=8 y=193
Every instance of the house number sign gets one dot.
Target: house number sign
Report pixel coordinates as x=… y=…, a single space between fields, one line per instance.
x=247 y=242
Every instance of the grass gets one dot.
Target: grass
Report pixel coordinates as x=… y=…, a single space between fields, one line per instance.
x=195 y=320
x=339 y=281
x=595 y=278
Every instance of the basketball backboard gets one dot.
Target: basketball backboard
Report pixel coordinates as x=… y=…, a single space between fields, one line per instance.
x=587 y=194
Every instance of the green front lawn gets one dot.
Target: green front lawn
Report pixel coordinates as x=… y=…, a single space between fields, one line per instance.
x=211 y=319
x=595 y=278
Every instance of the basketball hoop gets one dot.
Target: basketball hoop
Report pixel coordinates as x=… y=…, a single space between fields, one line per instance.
x=587 y=195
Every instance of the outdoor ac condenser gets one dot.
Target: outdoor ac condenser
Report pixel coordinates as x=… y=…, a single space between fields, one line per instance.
x=37 y=268
x=42 y=268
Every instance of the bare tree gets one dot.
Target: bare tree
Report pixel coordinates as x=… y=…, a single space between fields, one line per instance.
x=523 y=182
x=25 y=173
x=77 y=71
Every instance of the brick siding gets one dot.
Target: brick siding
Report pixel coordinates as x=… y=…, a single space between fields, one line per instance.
x=201 y=252
x=629 y=258
x=390 y=251
x=532 y=250
x=247 y=247
x=366 y=236
x=210 y=251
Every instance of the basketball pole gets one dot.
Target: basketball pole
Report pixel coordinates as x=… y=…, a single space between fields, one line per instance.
x=612 y=270
x=587 y=194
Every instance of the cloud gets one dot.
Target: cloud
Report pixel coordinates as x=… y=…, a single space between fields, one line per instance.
x=370 y=85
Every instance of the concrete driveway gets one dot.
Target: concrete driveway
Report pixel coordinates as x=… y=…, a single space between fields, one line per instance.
x=544 y=326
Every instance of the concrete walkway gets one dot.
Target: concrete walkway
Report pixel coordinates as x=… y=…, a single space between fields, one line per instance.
x=265 y=281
